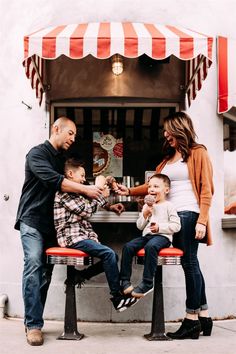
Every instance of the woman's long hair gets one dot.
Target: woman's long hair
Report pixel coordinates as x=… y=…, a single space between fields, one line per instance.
x=180 y=126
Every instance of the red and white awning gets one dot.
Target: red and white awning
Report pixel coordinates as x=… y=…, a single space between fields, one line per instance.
x=102 y=40
x=226 y=73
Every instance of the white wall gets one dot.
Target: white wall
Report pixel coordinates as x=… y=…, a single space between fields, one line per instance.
x=23 y=128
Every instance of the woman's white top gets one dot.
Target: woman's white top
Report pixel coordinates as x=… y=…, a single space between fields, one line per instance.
x=181 y=192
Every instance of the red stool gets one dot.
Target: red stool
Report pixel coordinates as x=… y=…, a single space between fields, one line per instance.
x=167 y=256
x=71 y=258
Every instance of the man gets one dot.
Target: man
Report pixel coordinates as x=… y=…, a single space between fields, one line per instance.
x=43 y=177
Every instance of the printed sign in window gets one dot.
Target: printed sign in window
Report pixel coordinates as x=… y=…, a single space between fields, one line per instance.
x=107 y=155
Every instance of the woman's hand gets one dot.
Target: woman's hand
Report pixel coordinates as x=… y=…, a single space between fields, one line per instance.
x=122 y=190
x=200 y=231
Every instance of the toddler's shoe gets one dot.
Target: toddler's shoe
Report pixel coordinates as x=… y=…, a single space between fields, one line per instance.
x=127 y=287
x=142 y=290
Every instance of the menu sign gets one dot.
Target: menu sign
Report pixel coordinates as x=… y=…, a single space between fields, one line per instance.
x=107 y=155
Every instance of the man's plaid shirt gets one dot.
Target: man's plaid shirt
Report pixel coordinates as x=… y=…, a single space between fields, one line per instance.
x=71 y=212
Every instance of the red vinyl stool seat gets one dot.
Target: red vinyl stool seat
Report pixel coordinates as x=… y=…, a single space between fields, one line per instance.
x=164 y=252
x=166 y=256
x=69 y=256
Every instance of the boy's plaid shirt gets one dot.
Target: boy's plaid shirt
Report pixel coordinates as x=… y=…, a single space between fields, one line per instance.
x=71 y=212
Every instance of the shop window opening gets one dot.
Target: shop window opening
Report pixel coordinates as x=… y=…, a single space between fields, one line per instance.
x=139 y=128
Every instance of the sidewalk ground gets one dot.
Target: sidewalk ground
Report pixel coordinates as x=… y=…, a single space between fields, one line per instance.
x=115 y=338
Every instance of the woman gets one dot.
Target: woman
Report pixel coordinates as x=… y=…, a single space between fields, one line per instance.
x=188 y=166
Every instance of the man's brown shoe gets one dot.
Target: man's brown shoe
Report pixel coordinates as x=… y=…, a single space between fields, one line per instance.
x=34 y=336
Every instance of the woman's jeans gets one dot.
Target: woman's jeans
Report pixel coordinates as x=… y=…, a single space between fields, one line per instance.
x=152 y=244
x=195 y=285
x=109 y=262
x=36 y=275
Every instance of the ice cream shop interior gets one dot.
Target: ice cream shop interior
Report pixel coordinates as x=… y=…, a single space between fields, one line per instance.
x=117 y=79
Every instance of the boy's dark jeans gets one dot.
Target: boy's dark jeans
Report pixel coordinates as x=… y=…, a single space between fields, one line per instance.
x=152 y=244
x=108 y=262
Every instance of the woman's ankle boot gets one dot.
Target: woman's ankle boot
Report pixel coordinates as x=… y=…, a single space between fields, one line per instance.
x=206 y=325
x=188 y=329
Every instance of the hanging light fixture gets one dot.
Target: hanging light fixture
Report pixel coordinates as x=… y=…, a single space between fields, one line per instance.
x=117 y=64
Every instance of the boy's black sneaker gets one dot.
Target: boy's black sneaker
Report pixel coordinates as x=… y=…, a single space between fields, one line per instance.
x=122 y=302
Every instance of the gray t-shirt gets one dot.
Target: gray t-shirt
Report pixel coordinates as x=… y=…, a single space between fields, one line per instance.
x=165 y=215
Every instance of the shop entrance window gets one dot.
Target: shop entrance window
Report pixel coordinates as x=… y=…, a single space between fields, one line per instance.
x=140 y=128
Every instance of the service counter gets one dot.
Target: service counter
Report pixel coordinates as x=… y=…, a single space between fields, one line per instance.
x=104 y=216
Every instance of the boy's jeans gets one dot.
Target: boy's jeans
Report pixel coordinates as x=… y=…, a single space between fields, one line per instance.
x=108 y=258
x=36 y=276
x=152 y=244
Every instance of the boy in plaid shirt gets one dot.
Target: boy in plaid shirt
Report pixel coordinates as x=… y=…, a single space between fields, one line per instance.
x=71 y=214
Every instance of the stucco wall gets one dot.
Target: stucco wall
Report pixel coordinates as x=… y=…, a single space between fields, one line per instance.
x=23 y=128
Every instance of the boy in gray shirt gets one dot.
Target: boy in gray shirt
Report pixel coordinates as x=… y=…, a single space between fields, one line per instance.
x=158 y=221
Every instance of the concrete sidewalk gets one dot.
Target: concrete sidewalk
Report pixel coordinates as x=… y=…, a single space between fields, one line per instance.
x=113 y=338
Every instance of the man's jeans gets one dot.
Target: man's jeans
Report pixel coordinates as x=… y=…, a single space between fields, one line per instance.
x=109 y=262
x=195 y=285
x=36 y=276
x=152 y=244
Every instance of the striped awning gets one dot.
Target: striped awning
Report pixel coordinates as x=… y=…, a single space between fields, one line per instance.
x=131 y=40
x=226 y=73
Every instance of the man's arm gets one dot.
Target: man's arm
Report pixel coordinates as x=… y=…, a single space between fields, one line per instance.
x=73 y=187
x=42 y=168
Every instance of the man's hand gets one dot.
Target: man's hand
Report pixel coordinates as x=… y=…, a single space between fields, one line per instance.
x=122 y=190
x=92 y=191
x=117 y=208
x=200 y=231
